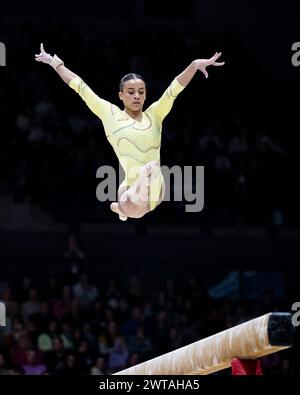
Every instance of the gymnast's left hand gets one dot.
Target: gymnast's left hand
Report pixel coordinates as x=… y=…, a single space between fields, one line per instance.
x=201 y=64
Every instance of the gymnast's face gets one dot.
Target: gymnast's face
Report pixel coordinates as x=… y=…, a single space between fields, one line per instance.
x=133 y=95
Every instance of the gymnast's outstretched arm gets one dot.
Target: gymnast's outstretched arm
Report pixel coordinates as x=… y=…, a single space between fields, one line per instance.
x=163 y=106
x=102 y=108
x=58 y=65
x=199 y=64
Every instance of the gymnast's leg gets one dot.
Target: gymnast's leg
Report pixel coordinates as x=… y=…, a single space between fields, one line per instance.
x=134 y=202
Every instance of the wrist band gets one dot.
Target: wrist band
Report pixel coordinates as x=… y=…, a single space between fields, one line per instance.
x=55 y=62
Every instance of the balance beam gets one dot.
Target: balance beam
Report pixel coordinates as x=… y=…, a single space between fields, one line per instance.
x=253 y=339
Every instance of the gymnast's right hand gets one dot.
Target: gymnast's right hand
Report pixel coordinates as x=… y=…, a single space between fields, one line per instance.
x=43 y=56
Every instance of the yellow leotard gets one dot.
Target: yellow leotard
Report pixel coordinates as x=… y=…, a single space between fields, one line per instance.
x=135 y=143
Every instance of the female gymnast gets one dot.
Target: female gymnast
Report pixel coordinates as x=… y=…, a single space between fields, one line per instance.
x=134 y=134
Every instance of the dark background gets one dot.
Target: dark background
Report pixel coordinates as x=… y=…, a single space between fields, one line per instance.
x=246 y=239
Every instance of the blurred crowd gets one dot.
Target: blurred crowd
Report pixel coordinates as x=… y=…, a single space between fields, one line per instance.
x=78 y=322
x=71 y=326
x=53 y=145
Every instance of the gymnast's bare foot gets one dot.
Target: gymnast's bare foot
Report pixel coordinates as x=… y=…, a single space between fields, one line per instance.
x=115 y=208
